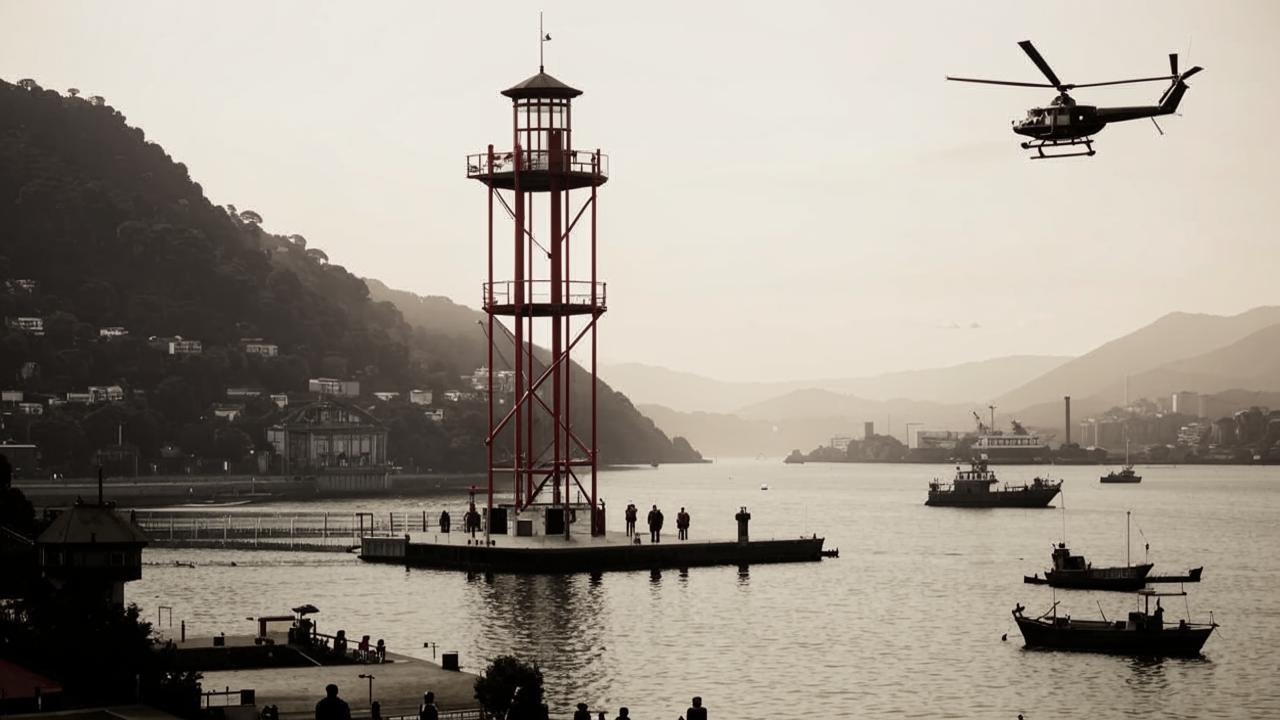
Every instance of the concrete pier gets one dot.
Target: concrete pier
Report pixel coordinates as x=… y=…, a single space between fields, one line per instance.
x=613 y=551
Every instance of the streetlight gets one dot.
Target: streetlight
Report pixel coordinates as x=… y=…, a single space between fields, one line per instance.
x=369 y=676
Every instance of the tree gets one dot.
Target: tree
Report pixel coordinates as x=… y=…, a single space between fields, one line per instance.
x=73 y=92
x=250 y=216
x=496 y=689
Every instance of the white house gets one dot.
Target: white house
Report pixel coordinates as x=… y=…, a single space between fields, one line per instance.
x=420 y=397
x=105 y=393
x=436 y=415
x=386 y=396
x=30 y=408
x=114 y=331
x=335 y=387
x=178 y=346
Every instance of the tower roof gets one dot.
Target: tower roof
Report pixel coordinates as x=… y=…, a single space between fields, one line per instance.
x=541 y=85
x=85 y=524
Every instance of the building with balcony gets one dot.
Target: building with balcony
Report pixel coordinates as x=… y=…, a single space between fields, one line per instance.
x=328 y=434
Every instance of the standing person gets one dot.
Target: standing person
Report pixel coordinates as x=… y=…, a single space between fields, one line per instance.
x=652 y=520
x=697 y=712
x=381 y=650
x=682 y=525
x=632 y=514
x=363 y=648
x=428 y=709
x=624 y=714
x=444 y=521
x=582 y=713
x=332 y=707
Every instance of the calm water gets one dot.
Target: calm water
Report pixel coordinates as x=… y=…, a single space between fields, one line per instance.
x=906 y=623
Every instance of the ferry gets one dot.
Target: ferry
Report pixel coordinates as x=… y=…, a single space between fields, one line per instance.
x=1019 y=446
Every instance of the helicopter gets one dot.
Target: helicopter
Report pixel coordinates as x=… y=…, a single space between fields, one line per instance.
x=1066 y=125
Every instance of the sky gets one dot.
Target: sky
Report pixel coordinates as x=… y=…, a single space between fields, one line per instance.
x=795 y=191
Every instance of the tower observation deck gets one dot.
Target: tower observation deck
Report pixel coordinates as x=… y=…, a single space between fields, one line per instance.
x=542 y=290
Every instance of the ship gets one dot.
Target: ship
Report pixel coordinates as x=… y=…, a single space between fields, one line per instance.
x=1017 y=446
x=1142 y=634
x=975 y=488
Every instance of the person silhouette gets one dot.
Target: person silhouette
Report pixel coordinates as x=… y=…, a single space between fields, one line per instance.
x=582 y=712
x=332 y=707
x=696 y=712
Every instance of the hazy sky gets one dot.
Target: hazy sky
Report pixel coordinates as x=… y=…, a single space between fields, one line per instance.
x=795 y=191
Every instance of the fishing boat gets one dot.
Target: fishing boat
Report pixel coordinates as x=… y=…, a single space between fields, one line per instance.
x=1142 y=634
x=1075 y=573
x=1126 y=475
x=975 y=488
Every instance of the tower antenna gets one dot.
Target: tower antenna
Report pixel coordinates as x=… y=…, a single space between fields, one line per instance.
x=542 y=40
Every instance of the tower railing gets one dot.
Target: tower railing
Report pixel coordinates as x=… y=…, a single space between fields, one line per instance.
x=578 y=293
x=575 y=161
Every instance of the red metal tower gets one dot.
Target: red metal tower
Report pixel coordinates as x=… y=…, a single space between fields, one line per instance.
x=536 y=441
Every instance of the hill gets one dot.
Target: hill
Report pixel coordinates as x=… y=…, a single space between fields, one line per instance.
x=459 y=331
x=111 y=251
x=1176 y=336
x=973 y=382
x=1248 y=366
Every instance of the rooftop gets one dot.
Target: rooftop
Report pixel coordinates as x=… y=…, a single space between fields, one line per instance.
x=541 y=85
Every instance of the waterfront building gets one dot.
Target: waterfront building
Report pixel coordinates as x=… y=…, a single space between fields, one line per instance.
x=1189 y=435
x=23 y=457
x=92 y=548
x=328 y=434
x=921 y=438
x=841 y=442
x=10 y=396
x=334 y=387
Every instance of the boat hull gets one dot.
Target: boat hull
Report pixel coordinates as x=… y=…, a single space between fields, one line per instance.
x=1030 y=497
x=1109 y=479
x=1113 y=638
x=1133 y=577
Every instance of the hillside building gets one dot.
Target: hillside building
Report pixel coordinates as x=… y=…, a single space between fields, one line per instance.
x=420 y=397
x=257 y=346
x=332 y=387
x=114 y=331
x=29 y=325
x=1185 y=402
x=178 y=346
x=105 y=393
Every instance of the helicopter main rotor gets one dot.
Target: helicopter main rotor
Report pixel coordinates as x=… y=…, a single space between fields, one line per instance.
x=1064 y=88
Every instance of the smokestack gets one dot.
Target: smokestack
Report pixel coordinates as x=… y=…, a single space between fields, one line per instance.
x=1066 y=400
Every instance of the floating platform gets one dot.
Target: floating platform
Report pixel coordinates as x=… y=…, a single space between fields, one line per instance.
x=554 y=554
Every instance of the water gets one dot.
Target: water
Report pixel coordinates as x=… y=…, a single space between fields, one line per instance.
x=906 y=623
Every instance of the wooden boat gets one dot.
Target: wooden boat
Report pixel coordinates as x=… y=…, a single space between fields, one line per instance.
x=1142 y=634
x=1075 y=573
x=974 y=488
x=1072 y=571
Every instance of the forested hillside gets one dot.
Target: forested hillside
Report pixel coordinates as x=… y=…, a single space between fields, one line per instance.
x=109 y=252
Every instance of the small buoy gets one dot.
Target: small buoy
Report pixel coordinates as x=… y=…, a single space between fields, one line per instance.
x=764 y=486
x=1004 y=637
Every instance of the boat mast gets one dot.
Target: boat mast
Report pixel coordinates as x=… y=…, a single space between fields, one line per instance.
x=1126 y=537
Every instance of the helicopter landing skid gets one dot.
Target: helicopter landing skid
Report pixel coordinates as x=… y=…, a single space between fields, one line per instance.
x=1040 y=145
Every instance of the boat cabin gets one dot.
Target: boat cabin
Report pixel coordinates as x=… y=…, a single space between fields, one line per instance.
x=1064 y=560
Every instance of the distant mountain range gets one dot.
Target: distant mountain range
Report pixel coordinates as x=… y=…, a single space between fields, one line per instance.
x=1236 y=358
x=973 y=382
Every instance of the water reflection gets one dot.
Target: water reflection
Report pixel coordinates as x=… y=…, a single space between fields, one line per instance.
x=555 y=620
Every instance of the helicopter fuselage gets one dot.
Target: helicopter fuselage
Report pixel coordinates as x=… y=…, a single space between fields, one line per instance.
x=1060 y=122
